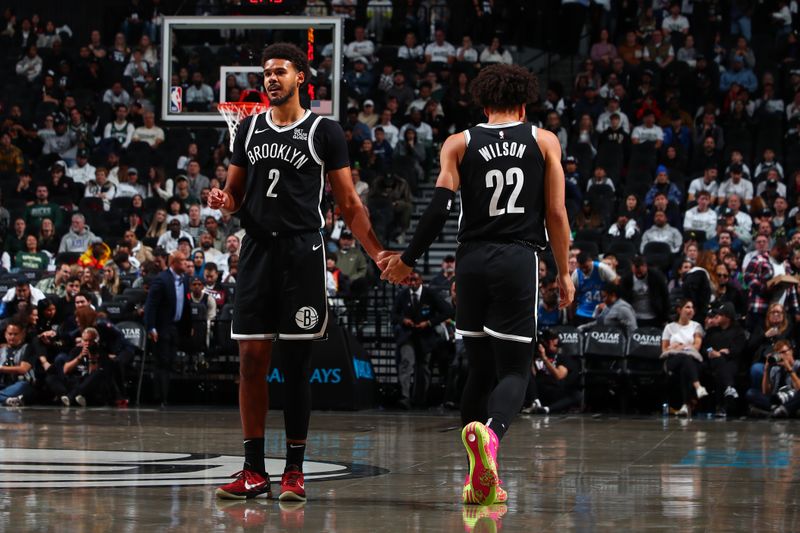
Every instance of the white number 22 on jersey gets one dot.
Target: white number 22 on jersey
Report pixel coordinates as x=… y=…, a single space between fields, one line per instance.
x=494 y=178
x=274 y=177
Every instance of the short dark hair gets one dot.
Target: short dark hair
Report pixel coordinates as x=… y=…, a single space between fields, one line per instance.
x=211 y=266
x=583 y=257
x=289 y=52
x=504 y=87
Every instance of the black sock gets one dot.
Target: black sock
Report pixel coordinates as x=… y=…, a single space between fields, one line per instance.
x=254 y=455
x=295 y=452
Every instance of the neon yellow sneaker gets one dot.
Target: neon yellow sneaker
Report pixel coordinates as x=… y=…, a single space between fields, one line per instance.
x=481 y=444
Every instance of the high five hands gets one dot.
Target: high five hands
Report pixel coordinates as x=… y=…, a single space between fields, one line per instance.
x=392 y=267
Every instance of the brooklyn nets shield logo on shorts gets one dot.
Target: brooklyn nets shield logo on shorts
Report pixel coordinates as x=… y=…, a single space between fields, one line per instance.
x=306 y=317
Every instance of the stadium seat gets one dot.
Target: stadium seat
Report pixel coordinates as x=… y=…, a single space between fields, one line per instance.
x=571 y=340
x=643 y=354
x=603 y=363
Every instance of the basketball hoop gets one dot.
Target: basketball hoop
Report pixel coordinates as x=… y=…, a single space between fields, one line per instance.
x=235 y=112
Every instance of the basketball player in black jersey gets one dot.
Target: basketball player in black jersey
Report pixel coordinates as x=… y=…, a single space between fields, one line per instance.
x=275 y=184
x=512 y=188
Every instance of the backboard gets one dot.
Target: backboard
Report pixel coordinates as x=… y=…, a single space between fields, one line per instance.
x=226 y=52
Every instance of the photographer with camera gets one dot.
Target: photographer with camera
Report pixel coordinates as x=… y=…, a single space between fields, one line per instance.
x=779 y=384
x=87 y=373
x=553 y=384
x=17 y=362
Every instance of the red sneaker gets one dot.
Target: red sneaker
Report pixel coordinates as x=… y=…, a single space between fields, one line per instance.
x=248 y=485
x=293 y=487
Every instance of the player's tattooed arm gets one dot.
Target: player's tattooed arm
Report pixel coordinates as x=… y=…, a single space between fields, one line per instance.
x=353 y=211
x=230 y=199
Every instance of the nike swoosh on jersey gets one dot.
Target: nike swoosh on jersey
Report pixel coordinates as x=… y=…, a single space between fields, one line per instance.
x=316 y=247
x=261 y=131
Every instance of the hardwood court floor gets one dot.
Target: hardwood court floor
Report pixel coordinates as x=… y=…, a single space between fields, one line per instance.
x=143 y=470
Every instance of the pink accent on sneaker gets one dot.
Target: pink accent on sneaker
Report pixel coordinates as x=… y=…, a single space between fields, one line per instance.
x=477 y=439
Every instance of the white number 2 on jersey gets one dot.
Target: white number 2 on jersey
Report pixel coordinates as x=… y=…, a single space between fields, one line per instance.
x=494 y=178
x=274 y=177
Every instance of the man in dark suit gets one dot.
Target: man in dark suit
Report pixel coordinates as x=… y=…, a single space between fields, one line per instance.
x=167 y=315
x=417 y=311
x=646 y=290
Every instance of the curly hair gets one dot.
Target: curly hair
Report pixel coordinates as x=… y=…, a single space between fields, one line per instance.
x=504 y=87
x=289 y=52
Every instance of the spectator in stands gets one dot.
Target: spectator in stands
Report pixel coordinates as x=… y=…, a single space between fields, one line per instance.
x=79 y=236
x=96 y=255
x=101 y=187
x=63 y=143
x=495 y=53
x=56 y=284
x=723 y=346
x=15 y=242
x=661 y=231
x=358 y=79
x=738 y=74
x=149 y=132
x=214 y=284
x=646 y=290
x=21 y=295
x=410 y=51
x=17 y=366
x=169 y=239
x=440 y=51
x=553 y=385
x=42 y=208
x=360 y=47
x=647 y=131
x=31 y=258
x=11 y=158
x=613 y=310
x=197 y=181
x=680 y=345
x=701 y=217
x=664 y=185
x=167 y=318
x=729 y=292
x=603 y=51
x=30 y=66
x=589 y=278
x=762 y=268
x=446 y=276
x=737 y=185
x=120 y=130
x=416 y=312
x=708 y=182
x=82 y=171
x=659 y=50
x=199 y=95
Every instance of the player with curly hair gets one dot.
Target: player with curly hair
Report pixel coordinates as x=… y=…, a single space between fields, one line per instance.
x=275 y=183
x=512 y=203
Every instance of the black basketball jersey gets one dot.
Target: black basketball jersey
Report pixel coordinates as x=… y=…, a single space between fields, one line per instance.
x=286 y=168
x=502 y=185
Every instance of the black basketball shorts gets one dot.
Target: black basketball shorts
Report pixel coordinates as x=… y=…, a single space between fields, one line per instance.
x=281 y=289
x=496 y=291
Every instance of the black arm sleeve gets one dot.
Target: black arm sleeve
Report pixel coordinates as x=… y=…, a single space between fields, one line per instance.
x=430 y=225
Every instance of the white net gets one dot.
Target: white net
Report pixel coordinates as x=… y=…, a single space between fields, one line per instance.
x=235 y=112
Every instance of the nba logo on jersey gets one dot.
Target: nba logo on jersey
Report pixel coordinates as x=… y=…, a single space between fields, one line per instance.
x=176 y=99
x=306 y=317
x=502 y=134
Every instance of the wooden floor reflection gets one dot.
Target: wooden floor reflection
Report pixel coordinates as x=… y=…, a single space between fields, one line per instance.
x=140 y=470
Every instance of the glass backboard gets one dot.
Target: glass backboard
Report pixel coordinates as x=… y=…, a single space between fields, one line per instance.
x=207 y=60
